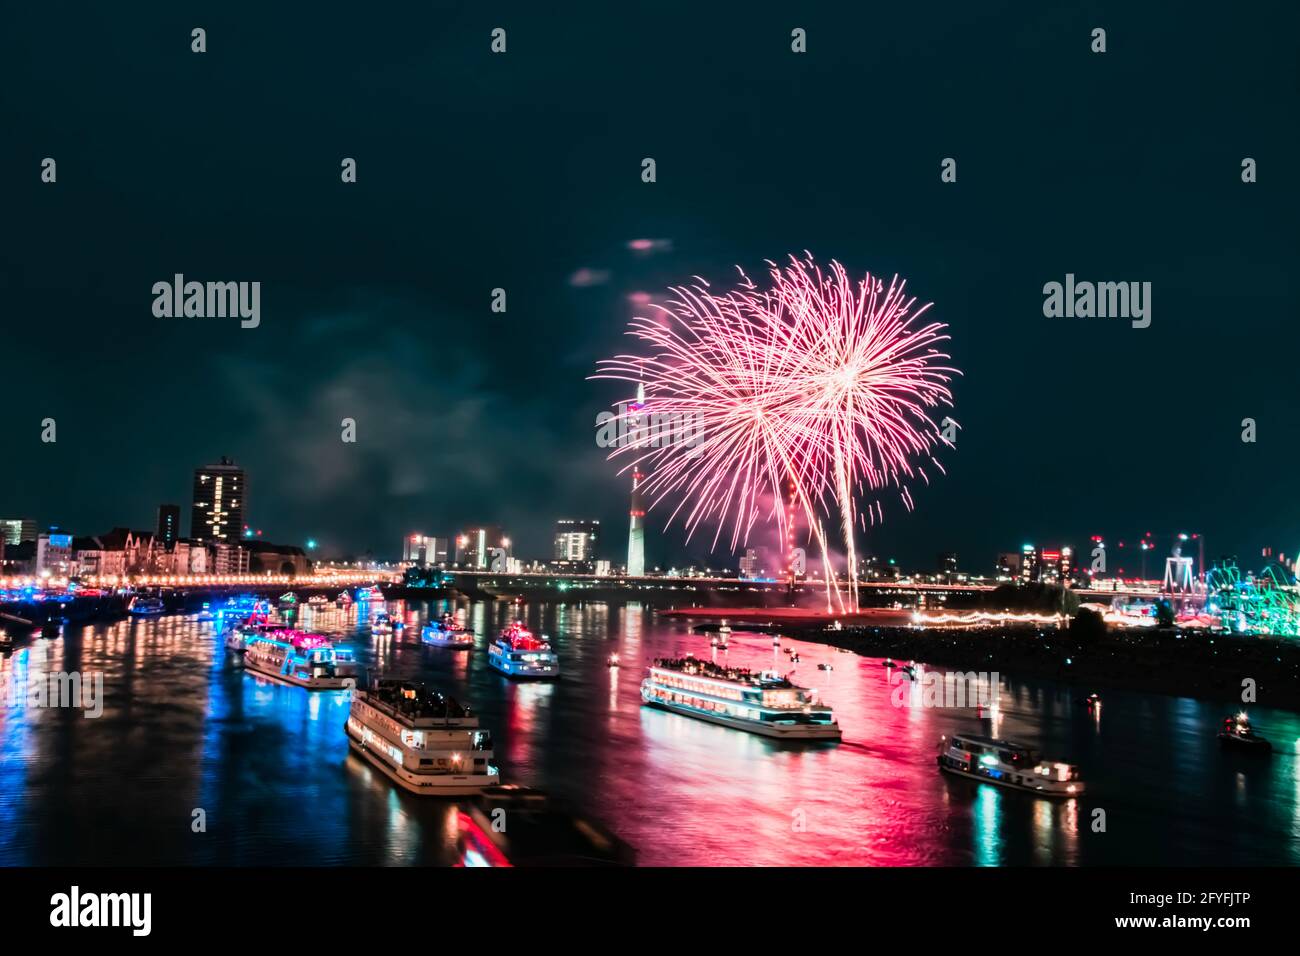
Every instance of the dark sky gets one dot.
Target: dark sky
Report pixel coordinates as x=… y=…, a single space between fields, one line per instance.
x=478 y=171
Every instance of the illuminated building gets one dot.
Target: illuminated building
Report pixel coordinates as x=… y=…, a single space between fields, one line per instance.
x=474 y=547
x=17 y=530
x=169 y=525
x=121 y=551
x=265 y=558
x=54 y=554
x=415 y=549
x=637 y=513
x=218 y=510
x=1029 y=568
x=575 y=543
x=749 y=564
x=1008 y=564
x=948 y=564
x=189 y=557
x=1045 y=564
x=636 y=528
x=228 y=558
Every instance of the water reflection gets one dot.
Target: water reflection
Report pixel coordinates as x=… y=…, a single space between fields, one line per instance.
x=184 y=730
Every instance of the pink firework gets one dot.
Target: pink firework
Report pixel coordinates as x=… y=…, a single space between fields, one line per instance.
x=817 y=388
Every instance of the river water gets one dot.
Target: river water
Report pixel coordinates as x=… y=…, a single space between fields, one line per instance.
x=186 y=734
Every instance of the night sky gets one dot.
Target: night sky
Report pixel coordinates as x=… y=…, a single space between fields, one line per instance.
x=522 y=170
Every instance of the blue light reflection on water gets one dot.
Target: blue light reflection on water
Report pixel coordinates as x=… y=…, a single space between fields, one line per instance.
x=184 y=728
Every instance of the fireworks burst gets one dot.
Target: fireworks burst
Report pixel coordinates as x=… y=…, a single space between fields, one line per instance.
x=816 y=387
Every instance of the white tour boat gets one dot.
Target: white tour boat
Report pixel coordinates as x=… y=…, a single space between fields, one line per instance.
x=447 y=633
x=762 y=703
x=303 y=660
x=420 y=739
x=517 y=653
x=1007 y=764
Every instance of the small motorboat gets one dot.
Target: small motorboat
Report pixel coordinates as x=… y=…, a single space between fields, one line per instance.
x=440 y=634
x=1238 y=733
x=382 y=624
x=888 y=662
x=612 y=660
x=6 y=641
x=206 y=614
x=1007 y=764
x=1091 y=702
x=145 y=606
x=317 y=600
x=826 y=667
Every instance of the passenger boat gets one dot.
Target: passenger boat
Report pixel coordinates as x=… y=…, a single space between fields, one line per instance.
x=146 y=607
x=762 y=703
x=1007 y=764
x=303 y=660
x=1238 y=733
x=371 y=593
x=422 y=740
x=381 y=624
x=344 y=599
x=288 y=601
x=446 y=633
x=206 y=613
x=6 y=641
x=237 y=640
x=517 y=653
x=317 y=601
x=259 y=621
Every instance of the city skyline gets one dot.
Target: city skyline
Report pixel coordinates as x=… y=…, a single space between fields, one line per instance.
x=1132 y=549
